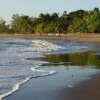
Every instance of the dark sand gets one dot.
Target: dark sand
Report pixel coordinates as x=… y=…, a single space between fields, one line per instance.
x=87 y=90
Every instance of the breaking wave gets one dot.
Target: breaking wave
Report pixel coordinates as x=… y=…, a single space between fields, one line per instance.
x=15 y=69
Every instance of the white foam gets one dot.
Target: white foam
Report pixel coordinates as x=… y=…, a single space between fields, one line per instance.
x=15 y=65
x=70 y=86
x=46 y=45
x=15 y=54
x=46 y=73
x=15 y=88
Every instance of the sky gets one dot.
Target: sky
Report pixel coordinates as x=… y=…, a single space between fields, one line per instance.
x=35 y=7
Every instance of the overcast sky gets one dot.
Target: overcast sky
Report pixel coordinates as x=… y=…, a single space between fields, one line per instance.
x=35 y=7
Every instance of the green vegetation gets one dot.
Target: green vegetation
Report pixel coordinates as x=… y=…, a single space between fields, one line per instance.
x=79 y=21
x=21 y=24
x=3 y=27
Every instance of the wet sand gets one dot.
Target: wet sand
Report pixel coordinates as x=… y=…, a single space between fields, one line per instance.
x=87 y=90
x=43 y=88
x=55 y=87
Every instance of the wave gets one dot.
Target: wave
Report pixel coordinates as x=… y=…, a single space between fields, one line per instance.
x=17 y=68
x=15 y=88
x=46 y=73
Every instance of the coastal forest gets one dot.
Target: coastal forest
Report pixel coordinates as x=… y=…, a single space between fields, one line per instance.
x=80 y=21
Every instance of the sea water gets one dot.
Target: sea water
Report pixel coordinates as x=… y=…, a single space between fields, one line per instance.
x=15 y=69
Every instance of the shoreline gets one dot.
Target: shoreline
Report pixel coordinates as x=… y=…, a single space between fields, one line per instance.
x=92 y=37
x=61 y=91
x=72 y=92
x=15 y=89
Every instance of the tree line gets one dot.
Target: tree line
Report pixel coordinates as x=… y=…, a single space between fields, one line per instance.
x=79 y=21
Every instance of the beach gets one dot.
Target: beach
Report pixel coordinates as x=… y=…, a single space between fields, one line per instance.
x=71 y=82
x=56 y=87
x=49 y=50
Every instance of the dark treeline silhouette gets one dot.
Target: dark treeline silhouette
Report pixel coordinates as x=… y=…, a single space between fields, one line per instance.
x=79 y=21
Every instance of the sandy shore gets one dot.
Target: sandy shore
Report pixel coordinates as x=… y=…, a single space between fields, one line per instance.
x=54 y=88
x=78 y=37
x=87 y=90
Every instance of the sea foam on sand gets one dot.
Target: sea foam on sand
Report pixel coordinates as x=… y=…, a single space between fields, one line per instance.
x=15 y=88
x=17 y=69
x=14 y=54
x=46 y=73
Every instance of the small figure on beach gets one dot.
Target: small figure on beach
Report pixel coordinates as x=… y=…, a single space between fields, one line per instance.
x=72 y=75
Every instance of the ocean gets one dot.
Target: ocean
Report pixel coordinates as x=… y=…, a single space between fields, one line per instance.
x=16 y=69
